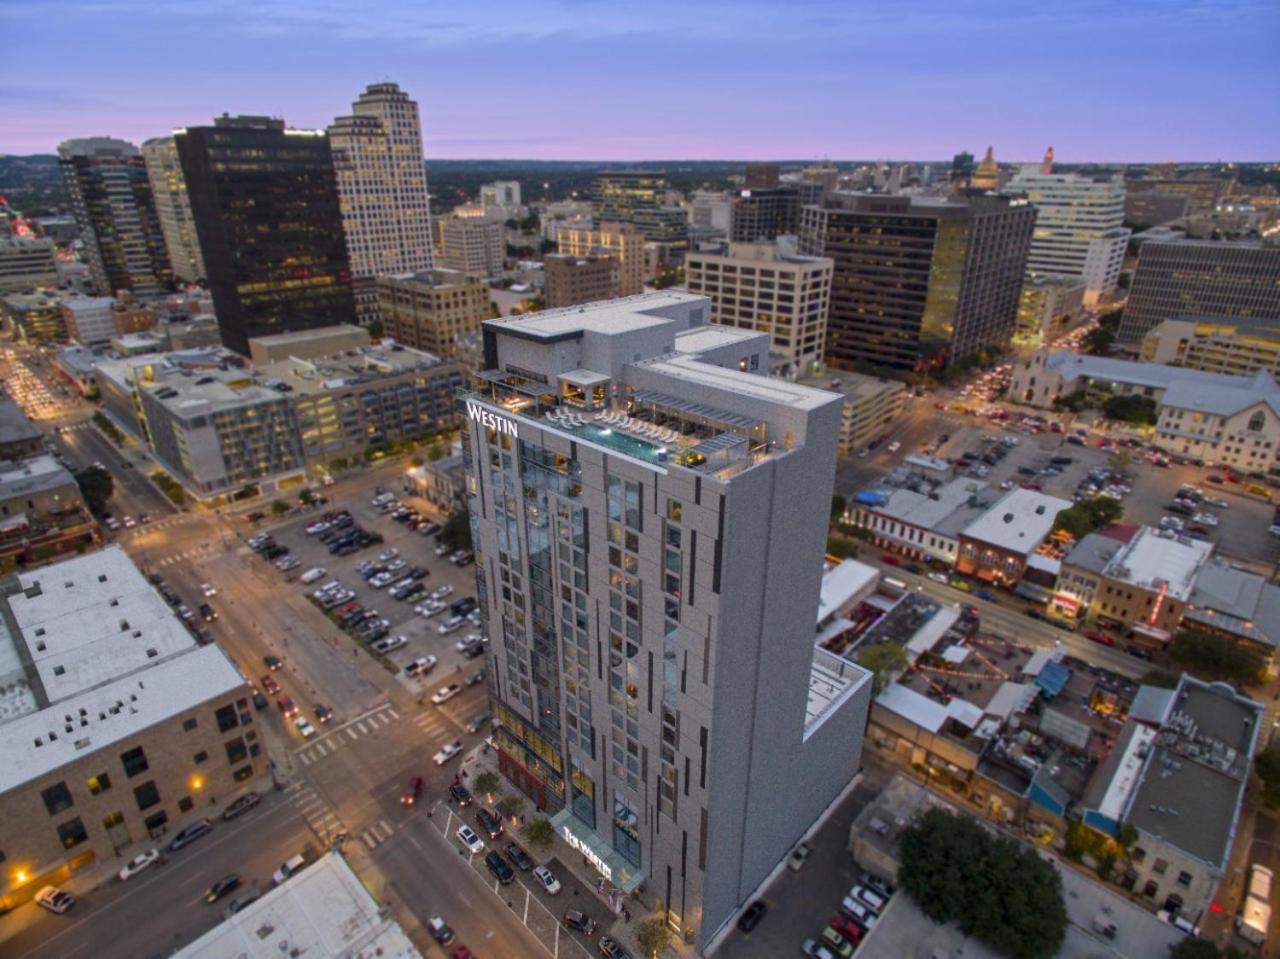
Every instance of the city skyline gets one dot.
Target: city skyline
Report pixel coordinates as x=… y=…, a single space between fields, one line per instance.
x=920 y=81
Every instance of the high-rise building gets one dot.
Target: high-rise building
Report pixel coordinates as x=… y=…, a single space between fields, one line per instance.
x=712 y=209
x=1079 y=226
x=769 y=288
x=382 y=186
x=1201 y=278
x=761 y=176
x=504 y=194
x=622 y=241
x=472 y=245
x=432 y=311
x=26 y=263
x=919 y=284
x=111 y=197
x=1215 y=345
x=764 y=214
x=571 y=280
x=173 y=206
x=649 y=523
x=266 y=210
x=617 y=194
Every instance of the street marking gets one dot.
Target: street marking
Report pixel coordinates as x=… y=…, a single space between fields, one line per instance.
x=352 y=734
x=367 y=841
x=527 y=896
x=385 y=825
x=393 y=713
x=306 y=760
x=360 y=726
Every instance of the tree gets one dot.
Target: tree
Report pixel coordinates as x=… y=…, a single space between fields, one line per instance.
x=375 y=329
x=1212 y=657
x=436 y=452
x=1120 y=460
x=838 y=506
x=885 y=660
x=486 y=783
x=108 y=428
x=279 y=507
x=1111 y=321
x=1089 y=515
x=654 y=936
x=1267 y=766
x=997 y=890
x=457 y=530
x=511 y=806
x=96 y=486
x=306 y=497
x=1131 y=409
x=540 y=833
x=1098 y=342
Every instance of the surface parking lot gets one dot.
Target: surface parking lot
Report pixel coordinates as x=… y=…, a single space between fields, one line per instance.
x=416 y=550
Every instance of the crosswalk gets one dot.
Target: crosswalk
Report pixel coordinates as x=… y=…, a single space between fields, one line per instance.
x=318 y=814
x=195 y=552
x=345 y=735
x=378 y=833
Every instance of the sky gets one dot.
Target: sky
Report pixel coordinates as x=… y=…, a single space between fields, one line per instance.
x=1100 y=80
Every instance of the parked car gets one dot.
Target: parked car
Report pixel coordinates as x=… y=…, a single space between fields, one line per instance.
x=451 y=624
x=752 y=915
x=490 y=824
x=546 y=879
x=798 y=856
x=518 y=857
x=470 y=841
x=580 y=922
x=54 y=899
x=226 y=884
x=447 y=752
x=498 y=866
x=460 y=794
x=138 y=863
x=273 y=662
x=421 y=666
x=190 y=834
x=610 y=949
x=241 y=805
x=242 y=901
x=288 y=868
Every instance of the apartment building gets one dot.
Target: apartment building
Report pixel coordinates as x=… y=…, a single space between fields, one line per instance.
x=382 y=188
x=1048 y=307
x=117 y=726
x=871 y=405
x=1178 y=278
x=919 y=284
x=432 y=311
x=89 y=319
x=769 y=288
x=472 y=245
x=116 y=214
x=173 y=207
x=571 y=280
x=34 y=317
x=657 y=699
x=26 y=263
x=1215 y=345
x=622 y=241
x=1079 y=226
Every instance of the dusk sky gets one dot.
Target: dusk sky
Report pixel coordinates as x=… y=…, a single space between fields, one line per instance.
x=1121 y=80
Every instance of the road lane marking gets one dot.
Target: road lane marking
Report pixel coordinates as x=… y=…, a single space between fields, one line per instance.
x=306 y=760
x=360 y=726
x=352 y=734
x=385 y=825
x=393 y=713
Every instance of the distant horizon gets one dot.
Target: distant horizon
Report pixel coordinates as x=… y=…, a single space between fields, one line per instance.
x=1148 y=81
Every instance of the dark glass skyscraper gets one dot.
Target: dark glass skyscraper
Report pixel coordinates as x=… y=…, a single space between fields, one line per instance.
x=265 y=205
x=919 y=284
x=116 y=214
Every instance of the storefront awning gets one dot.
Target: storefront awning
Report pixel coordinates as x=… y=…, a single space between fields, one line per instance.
x=608 y=863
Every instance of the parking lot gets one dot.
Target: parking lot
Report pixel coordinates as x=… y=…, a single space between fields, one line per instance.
x=400 y=545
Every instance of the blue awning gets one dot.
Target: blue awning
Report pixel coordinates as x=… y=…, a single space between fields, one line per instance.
x=1053 y=678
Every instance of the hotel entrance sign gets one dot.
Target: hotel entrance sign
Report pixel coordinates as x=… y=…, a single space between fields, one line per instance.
x=490 y=420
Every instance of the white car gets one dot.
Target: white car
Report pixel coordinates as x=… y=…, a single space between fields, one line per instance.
x=470 y=841
x=446 y=693
x=443 y=550
x=442 y=592
x=130 y=522
x=388 y=554
x=304 y=727
x=138 y=863
x=895 y=446
x=447 y=752
x=432 y=607
x=420 y=667
x=55 y=900
x=450 y=624
x=389 y=643
x=546 y=879
x=208 y=589
x=940 y=578
x=470 y=639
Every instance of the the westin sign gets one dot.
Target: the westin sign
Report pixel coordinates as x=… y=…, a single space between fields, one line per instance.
x=489 y=419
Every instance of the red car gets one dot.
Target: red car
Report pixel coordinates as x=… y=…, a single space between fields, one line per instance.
x=890 y=560
x=412 y=791
x=847 y=928
x=1097 y=637
x=270 y=685
x=287 y=706
x=462 y=952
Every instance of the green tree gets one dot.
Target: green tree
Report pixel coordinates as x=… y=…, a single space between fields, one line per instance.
x=1191 y=948
x=1089 y=515
x=1211 y=657
x=1111 y=321
x=279 y=507
x=1267 y=765
x=306 y=497
x=96 y=486
x=838 y=506
x=511 y=806
x=1098 y=342
x=375 y=329
x=1120 y=460
x=1131 y=409
x=487 y=783
x=457 y=530
x=108 y=428
x=540 y=833
x=885 y=660
x=436 y=452
x=997 y=890
x=654 y=936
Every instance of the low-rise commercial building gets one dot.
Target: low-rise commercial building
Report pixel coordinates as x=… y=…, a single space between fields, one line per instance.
x=1236 y=603
x=19 y=437
x=1178 y=777
x=26 y=263
x=1215 y=345
x=871 y=405
x=79 y=367
x=920 y=518
x=472 y=245
x=88 y=319
x=1048 y=307
x=571 y=280
x=769 y=288
x=115 y=724
x=43 y=517
x=323 y=912
x=432 y=311
x=307 y=344
x=998 y=544
x=34 y=317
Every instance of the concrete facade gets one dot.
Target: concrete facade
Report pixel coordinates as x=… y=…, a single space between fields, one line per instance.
x=649 y=532
x=173 y=206
x=26 y=263
x=571 y=280
x=89 y=319
x=1215 y=345
x=620 y=240
x=433 y=311
x=473 y=245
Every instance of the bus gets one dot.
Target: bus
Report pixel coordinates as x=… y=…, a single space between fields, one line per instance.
x=1255 y=909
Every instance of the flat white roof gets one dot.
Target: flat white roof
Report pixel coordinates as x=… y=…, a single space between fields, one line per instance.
x=1150 y=560
x=1128 y=773
x=842 y=584
x=1019 y=521
x=913 y=706
x=753 y=385
x=704 y=338
x=605 y=316
x=38 y=743
x=925 y=511
x=322 y=912
x=92 y=619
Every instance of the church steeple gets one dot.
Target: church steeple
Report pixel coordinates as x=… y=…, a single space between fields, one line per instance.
x=987 y=176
